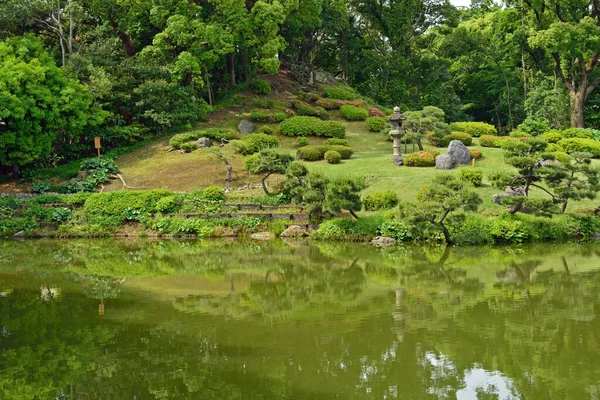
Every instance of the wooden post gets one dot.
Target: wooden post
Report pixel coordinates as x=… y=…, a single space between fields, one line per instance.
x=97 y=144
x=473 y=162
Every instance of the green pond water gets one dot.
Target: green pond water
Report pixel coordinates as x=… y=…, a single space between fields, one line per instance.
x=142 y=319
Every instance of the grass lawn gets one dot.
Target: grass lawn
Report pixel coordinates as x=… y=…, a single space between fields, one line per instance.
x=151 y=167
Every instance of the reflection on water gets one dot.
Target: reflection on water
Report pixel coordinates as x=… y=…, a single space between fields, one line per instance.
x=229 y=320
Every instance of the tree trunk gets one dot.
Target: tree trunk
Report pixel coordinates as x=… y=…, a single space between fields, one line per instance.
x=577 y=105
x=16 y=171
x=264 y=183
x=353 y=214
x=446 y=233
x=231 y=69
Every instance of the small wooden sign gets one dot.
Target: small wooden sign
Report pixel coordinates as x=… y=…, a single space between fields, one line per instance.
x=97 y=142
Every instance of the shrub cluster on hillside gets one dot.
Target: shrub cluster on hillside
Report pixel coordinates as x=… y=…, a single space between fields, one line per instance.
x=212 y=133
x=475 y=129
x=307 y=126
x=317 y=153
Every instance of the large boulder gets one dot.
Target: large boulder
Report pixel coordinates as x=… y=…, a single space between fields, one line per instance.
x=445 y=161
x=459 y=152
x=245 y=127
x=294 y=231
x=382 y=241
x=203 y=142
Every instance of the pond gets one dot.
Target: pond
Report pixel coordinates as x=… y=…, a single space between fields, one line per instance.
x=144 y=319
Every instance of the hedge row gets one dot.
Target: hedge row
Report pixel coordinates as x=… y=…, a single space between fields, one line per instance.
x=475 y=129
x=316 y=153
x=305 y=126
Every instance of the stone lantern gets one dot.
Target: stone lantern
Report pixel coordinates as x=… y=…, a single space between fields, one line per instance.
x=396 y=133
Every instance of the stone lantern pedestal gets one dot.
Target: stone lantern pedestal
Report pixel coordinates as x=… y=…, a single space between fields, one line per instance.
x=397 y=133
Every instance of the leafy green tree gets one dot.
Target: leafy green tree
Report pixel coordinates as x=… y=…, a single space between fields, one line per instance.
x=343 y=194
x=268 y=162
x=36 y=102
x=569 y=31
x=428 y=120
x=437 y=201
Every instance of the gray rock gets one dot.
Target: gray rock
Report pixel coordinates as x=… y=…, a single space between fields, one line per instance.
x=445 y=161
x=294 y=231
x=19 y=234
x=459 y=152
x=323 y=77
x=203 y=142
x=381 y=241
x=245 y=127
x=262 y=236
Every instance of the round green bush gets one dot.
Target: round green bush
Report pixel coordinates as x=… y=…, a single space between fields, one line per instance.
x=520 y=134
x=268 y=129
x=167 y=205
x=553 y=136
x=322 y=113
x=562 y=157
x=311 y=153
x=260 y=86
x=534 y=126
x=380 y=201
x=344 y=151
x=255 y=142
x=352 y=113
x=303 y=108
x=471 y=175
x=475 y=129
x=554 y=147
x=251 y=162
x=376 y=124
x=336 y=142
x=305 y=126
x=489 y=141
x=577 y=145
x=258 y=115
x=302 y=141
x=581 y=133
x=465 y=138
x=189 y=147
x=340 y=93
x=333 y=157
x=425 y=158
x=213 y=193
x=475 y=153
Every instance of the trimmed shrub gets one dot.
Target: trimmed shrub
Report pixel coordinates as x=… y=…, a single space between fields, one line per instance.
x=554 y=147
x=335 y=104
x=336 y=142
x=519 y=134
x=345 y=151
x=475 y=129
x=352 y=113
x=471 y=175
x=581 y=145
x=562 y=157
x=376 y=112
x=280 y=116
x=475 y=153
x=375 y=124
x=333 y=157
x=322 y=113
x=425 y=158
x=267 y=129
x=302 y=141
x=258 y=115
x=264 y=103
x=260 y=86
x=312 y=153
x=580 y=133
x=213 y=193
x=316 y=153
x=489 y=141
x=251 y=162
x=303 y=108
x=380 y=201
x=212 y=133
x=255 y=142
x=304 y=126
x=189 y=147
x=443 y=141
x=167 y=205
x=553 y=136
x=340 y=92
